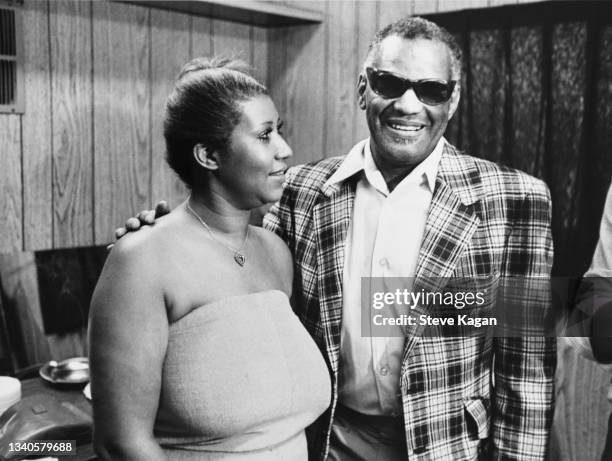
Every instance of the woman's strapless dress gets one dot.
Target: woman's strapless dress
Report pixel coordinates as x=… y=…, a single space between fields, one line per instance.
x=241 y=380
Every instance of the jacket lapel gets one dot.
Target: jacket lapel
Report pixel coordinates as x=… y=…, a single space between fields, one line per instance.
x=332 y=216
x=453 y=217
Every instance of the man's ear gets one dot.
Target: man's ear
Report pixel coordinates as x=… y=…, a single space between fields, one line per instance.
x=205 y=157
x=454 y=101
x=361 y=87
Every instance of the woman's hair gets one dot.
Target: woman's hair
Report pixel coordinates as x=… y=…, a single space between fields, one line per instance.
x=204 y=108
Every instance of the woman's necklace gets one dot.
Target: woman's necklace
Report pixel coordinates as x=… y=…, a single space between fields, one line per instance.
x=238 y=252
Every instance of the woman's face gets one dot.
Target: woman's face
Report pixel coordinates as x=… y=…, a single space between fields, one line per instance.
x=252 y=168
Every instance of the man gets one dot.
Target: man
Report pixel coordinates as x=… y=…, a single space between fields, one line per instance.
x=405 y=203
x=593 y=338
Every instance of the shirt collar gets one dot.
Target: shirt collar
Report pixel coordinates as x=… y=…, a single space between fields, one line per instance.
x=360 y=158
x=352 y=163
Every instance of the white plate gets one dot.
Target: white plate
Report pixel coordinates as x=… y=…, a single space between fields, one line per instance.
x=70 y=371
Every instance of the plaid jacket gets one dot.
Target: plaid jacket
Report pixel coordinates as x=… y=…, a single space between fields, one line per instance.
x=463 y=398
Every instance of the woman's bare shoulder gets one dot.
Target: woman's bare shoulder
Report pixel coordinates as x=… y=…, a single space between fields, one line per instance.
x=149 y=239
x=146 y=255
x=278 y=256
x=273 y=243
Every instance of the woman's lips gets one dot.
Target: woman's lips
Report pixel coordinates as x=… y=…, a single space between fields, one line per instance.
x=280 y=172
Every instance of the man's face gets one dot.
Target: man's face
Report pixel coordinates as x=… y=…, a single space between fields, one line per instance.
x=403 y=130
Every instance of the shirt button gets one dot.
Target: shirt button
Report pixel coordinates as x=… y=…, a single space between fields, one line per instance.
x=384 y=371
x=383 y=262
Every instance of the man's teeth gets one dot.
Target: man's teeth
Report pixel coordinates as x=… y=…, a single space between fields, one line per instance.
x=406 y=127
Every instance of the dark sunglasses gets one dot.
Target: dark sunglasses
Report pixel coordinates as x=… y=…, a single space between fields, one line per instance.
x=390 y=86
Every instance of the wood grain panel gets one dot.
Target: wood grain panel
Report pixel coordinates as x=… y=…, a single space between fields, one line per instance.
x=36 y=129
x=297 y=69
x=170 y=50
x=232 y=39
x=341 y=77
x=10 y=184
x=201 y=37
x=367 y=25
x=502 y=2
x=278 y=69
x=424 y=7
x=392 y=10
x=71 y=89
x=122 y=142
x=455 y=5
x=260 y=54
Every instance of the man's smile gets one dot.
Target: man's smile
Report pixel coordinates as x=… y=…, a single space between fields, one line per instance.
x=404 y=126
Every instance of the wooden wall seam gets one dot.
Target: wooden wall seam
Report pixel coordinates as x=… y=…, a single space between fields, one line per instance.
x=10 y=187
x=367 y=22
x=150 y=105
x=22 y=183
x=94 y=158
x=325 y=129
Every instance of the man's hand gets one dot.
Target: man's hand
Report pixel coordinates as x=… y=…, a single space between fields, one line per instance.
x=145 y=217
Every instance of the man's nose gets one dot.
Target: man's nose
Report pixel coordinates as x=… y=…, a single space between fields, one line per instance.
x=408 y=102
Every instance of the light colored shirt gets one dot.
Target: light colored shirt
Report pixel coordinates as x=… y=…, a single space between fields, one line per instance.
x=601 y=266
x=383 y=240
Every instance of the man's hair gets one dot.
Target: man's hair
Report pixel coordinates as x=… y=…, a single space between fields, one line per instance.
x=411 y=28
x=204 y=108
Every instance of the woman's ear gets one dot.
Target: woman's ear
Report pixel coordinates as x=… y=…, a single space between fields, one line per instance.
x=205 y=157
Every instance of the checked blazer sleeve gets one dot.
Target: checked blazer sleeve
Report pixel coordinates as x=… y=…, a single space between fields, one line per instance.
x=524 y=368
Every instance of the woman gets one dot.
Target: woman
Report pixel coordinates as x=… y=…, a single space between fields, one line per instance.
x=195 y=352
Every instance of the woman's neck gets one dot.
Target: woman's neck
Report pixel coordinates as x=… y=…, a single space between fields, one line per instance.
x=219 y=214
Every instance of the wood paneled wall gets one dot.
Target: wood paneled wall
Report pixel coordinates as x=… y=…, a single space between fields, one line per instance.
x=88 y=151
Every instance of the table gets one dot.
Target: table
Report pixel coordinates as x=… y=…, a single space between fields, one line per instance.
x=60 y=407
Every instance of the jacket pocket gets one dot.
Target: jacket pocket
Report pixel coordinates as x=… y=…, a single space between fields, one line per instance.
x=477 y=417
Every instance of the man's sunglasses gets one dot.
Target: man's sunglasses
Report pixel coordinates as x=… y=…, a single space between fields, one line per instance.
x=390 y=86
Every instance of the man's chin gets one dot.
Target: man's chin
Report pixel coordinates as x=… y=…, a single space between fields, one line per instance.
x=406 y=150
